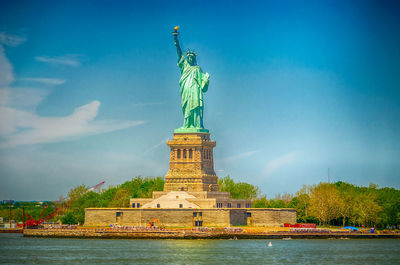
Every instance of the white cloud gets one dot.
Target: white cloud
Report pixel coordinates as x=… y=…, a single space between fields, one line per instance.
x=6 y=70
x=279 y=162
x=241 y=155
x=25 y=127
x=25 y=97
x=36 y=129
x=4 y=95
x=11 y=40
x=16 y=96
x=46 y=81
x=70 y=60
x=6 y=77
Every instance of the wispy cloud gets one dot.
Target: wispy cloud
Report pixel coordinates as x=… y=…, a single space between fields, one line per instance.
x=26 y=97
x=11 y=40
x=162 y=142
x=29 y=128
x=46 y=81
x=70 y=60
x=6 y=77
x=4 y=95
x=279 y=162
x=16 y=96
x=25 y=127
x=241 y=155
x=6 y=70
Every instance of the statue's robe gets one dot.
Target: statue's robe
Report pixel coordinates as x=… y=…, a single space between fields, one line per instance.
x=192 y=84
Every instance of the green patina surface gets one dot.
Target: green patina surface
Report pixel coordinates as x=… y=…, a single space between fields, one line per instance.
x=193 y=83
x=191 y=130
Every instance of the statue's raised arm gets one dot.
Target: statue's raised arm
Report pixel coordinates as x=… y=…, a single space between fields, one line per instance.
x=176 y=42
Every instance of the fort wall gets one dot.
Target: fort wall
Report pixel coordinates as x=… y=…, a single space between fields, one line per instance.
x=187 y=217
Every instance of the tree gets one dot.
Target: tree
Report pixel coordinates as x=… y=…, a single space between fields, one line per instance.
x=76 y=193
x=260 y=202
x=347 y=194
x=275 y=203
x=389 y=200
x=88 y=200
x=107 y=196
x=301 y=203
x=367 y=209
x=69 y=219
x=285 y=197
x=324 y=202
x=346 y=206
x=226 y=184
x=240 y=190
x=121 y=198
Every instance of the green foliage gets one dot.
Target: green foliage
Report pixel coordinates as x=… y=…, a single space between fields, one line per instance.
x=274 y=203
x=80 y=198
x=239 y=190
x=372 y=205
x=121 y=198
x=34 y=209
x=87 y=200
x=301 y=202
x=389 y=200
x=77 y=192
x=144 y=187
x=339 y=203
x=106 y=196
x=260 y=202
x=342 y=203
x=325 y=202
x=69 y=219
x=367 y=209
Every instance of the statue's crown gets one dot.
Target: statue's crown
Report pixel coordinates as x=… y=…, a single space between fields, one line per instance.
x=188 y=51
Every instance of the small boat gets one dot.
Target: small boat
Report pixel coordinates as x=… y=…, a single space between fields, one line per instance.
x=270 y=244
x=287 y=238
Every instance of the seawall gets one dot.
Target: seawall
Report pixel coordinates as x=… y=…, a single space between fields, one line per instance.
x=188 y=234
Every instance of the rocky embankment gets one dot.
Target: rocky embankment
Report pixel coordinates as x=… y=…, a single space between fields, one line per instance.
x=188 y=234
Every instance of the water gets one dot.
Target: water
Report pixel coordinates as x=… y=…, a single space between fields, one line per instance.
x=15 y=249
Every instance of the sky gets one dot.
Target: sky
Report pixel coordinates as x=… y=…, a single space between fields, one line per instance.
x=89 y=91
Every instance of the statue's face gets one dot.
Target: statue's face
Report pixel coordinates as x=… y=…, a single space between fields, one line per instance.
x=191 y=58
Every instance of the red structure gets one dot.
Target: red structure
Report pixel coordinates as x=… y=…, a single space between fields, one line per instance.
x=97 y=187
x=300 y=225
x=32 y=222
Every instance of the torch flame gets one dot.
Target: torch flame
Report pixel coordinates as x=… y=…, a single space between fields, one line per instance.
x=176 y=28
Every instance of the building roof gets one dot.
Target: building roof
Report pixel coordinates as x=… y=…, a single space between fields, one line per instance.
x=173 y=199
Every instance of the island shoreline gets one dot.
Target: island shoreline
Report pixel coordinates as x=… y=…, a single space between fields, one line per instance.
x=188 y=234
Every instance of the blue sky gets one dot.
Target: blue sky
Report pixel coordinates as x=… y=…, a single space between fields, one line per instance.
x=89 y=91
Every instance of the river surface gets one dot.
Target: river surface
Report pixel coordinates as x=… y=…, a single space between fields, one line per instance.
x=15 y=249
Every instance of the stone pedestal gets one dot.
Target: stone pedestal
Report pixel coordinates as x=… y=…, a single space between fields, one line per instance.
x=191 y=166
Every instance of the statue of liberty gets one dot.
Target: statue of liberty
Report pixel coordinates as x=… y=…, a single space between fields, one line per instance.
x=193 y=84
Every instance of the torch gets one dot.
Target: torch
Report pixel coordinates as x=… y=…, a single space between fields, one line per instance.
x=175 y=33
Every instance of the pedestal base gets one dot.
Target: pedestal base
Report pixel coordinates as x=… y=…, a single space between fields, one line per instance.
x=191 y=166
